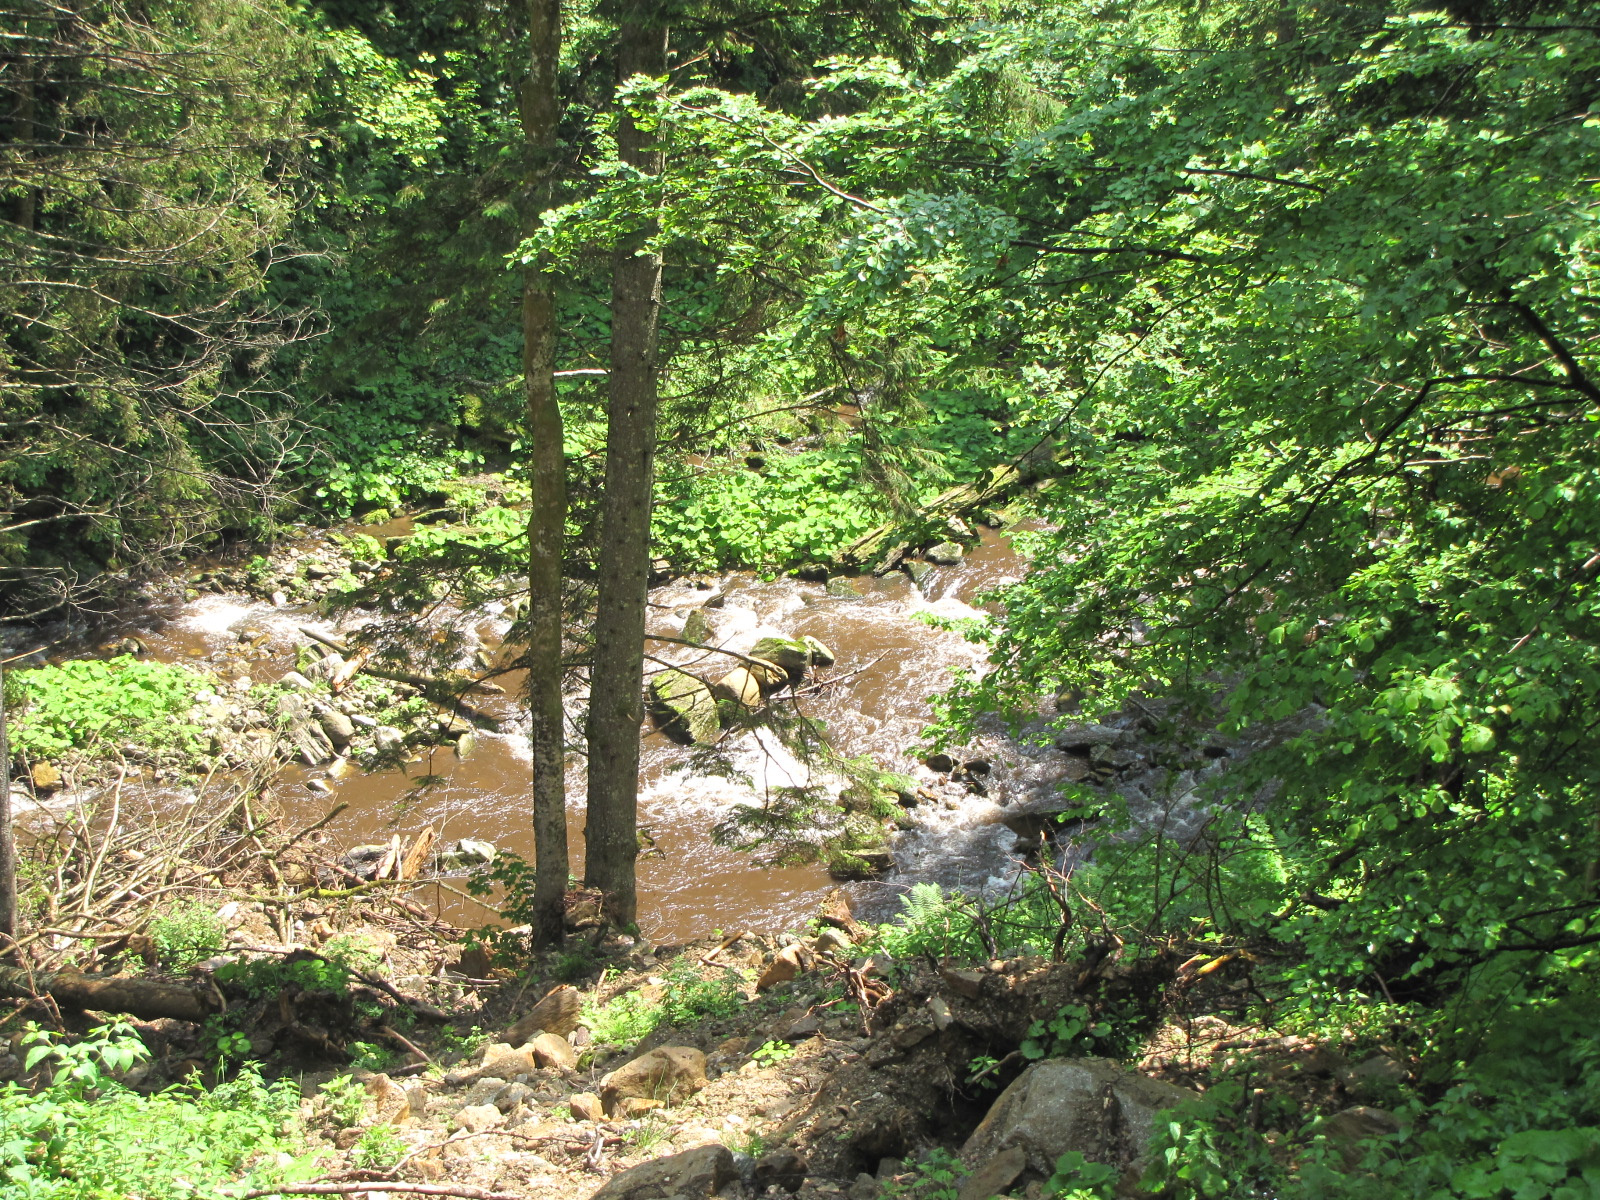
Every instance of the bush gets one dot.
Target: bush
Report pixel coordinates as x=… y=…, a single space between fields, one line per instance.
x=87 y=701
x=187 y=933
x=622 y=1020
x=86 y=1136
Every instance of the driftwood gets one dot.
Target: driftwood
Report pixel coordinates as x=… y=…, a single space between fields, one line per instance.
x=147 y=999
x=445 y=689
x=873 y=545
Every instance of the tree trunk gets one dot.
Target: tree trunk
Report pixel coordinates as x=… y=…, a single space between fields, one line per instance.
x=616 y=706
x=8 y=845
x=147 y=999
x=541 y=112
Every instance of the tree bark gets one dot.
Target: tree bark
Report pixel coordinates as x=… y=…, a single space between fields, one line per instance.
x=8 y=845
x=147 y=999
x=616 y=706
x=541 y=113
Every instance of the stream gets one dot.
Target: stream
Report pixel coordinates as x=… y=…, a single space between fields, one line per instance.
x=888 y=662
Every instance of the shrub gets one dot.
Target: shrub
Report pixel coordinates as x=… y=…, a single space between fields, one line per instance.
x=187 y=933
x=87 y=701
x=622 y=1020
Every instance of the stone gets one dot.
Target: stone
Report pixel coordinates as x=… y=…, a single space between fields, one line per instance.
x=339 y=728
x=506 y=1061
x=865 y=1187
x=1088 y=1105
x=939 y=1011
x=45 y=776
x=739 y=686
x=768 y=674
x=821 y=656
x=513 y=1094
x=390 y=1103
x=843 y=589
x=945 y=554
x=585 y=1106
x=941 y=763
x=781 y=1168
x=484 y=1091
x=995 y=1176
x=466 y=744
x=668 y=1073
x=1359 y=1124
x=692 y=1175
x=1378 y=1071
x=806 y=1026
x=324 y=668
x=1081 y=737
x=912 y=1033
x=785 y=965
x=697 y=627
x=918 y=570
x=476 y=1118
x=686 y=704
x=962 y=982
x=793 y=655
x=551 y=1051
x=834 y=941
x=388 y=739
x=631 y=1108
x=557 y=1013
x=293 y=679
x=472 y=852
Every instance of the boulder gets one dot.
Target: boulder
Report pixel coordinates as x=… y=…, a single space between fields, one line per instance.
x=789 y=962
x=843 y=589
x=1353 y=1126
x=504 y=1061
x=945 y=554
x=918 y=570
x=781 y=1168
x=740 y=687
x=476 y=1118
x=693 y=1175
x=45 y=776
x=792 y=655
x=1081 y=737
x=552 y=1052
x=667 y=1074
x=1088 y=1105
x=468 y=852
x=585 y=1106
x=820 y=654
x=994 y=1176
x=686 y=703
x=557 y=1013
x=324 y=668
x=768 y=674
x=388 y=739
x=697 y=627
x=339 y=728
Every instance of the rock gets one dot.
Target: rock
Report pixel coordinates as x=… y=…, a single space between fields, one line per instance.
x=552 y=1051
x=697 y=627
x=668 y=1074
x=865 y=1187
x=324 y=668
x=843 y=589
x=693 y=1175
x=939 y=1011
x=962 y=982
x=557 y=1013
x=388 y=739
x=506 y=1061
x=833 y=941
x=768 y=674
x=781 y=1168
x=1088 y=1105
x=686 y=704
x=513 y=1094
x=995 y=1176
x=1378 y=1071
x=792 y=655
x=364 y=721
x=294 y=679
x=45 y=776
x=785 y=965
x=945 y=554
x=820 y=654
x=631 y=1108
x=339 y=728
x=941 y=763
x=476 y=1118
x=914 y=1032
x=320 y=786
x=918 y=570
x=472 y=852
x=1083 y=736
x=390 y=1103
x=487 y=1088
x=466 y=744
x=739 y=686
x=585 y=1106
x=1359 y=1124
x=804 y=1027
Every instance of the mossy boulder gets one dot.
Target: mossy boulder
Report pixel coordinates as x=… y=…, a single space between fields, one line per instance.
x=697 y=627
x=793 y=655
x=685 y=705
x=821 y=656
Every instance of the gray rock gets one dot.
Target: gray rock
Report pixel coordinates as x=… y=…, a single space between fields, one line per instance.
x=364 y=721
x=693 y=1175
x=389 y=740
x=1088 y=1105
x=295 y=680
x=339 y=728
x=484 y=1091
x=994 y=1176
x=1083 y=736
x=945 y=554
x=781 y=1168
x=820 y=654
x=918 y=570
x=843 y=589
x=324 y=667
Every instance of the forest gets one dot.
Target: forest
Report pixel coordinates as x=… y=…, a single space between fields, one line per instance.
x=1262 y=330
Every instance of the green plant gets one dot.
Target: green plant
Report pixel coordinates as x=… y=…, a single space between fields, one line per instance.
x=378 y=1148
x=345 y=1099
x=85 y=702
x=186 y=933
x=452 y=1041
x=690 y=996
x=372 y=1056
x=770 y=1054
x=647 y=1133
x=84 y=1135
x=622 y=1020
x=1070 y=1031
x=745 y=1141
x=936 y=1177
x=1076 y=1178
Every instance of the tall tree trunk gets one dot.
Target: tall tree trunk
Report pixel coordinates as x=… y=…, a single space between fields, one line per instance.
x=616 y=706
x=541 y=111
x=8 y=845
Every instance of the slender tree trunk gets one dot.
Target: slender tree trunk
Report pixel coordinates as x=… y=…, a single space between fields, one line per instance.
x=8 y=846
x=541 y=111
x=616 y=706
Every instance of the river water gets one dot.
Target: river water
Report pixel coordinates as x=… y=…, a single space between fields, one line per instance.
x=890 y=660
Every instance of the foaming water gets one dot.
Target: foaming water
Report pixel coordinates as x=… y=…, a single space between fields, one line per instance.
x=894 y=649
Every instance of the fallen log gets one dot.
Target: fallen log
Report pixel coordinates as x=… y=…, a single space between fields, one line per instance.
x=945 y=505
x=147 y=999
x=443 y=689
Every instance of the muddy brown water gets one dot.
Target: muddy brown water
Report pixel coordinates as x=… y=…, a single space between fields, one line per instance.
x=889 y=662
